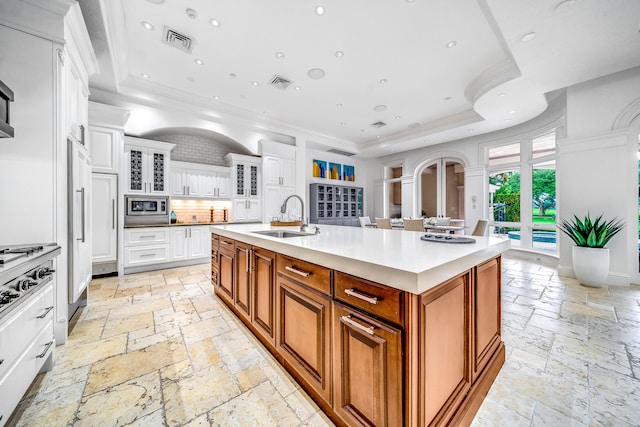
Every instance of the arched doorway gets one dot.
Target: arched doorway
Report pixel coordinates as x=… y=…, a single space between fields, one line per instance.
x=440 y=189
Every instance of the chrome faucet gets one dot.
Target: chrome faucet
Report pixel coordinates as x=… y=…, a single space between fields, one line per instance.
x=283 y=209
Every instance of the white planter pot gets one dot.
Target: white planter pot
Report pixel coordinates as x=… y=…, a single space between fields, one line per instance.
x=591 y=265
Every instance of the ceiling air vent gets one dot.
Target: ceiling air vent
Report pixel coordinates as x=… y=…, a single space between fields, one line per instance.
x=378 y=124
x=177 y=40
x=342 y=153
x=280 y=82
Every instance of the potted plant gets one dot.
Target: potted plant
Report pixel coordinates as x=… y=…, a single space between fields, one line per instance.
x=590 y=257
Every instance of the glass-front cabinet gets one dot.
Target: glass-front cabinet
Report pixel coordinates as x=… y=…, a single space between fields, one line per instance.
x=146 y=166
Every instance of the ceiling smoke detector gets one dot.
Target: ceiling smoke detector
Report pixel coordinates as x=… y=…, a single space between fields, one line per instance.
x=280 y=82
x=177 y=40
x=378 y=124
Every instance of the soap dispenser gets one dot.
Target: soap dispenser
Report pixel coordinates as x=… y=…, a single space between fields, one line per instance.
x=173 y=217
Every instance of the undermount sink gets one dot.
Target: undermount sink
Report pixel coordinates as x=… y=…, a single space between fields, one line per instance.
x=283 y=234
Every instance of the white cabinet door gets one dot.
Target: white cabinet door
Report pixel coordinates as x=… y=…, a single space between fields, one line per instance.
x=179 y=243
x=193 y=183
x=240 y=211
x=208 y=184
x=287 y=172
x=178 y=181
x=104 y=196
x=106 y=146
x=255 y=210
x=197 y=235
x=223 y=185
x=272 y=171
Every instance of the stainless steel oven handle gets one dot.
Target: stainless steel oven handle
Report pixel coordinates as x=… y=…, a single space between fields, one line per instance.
x=81 y=191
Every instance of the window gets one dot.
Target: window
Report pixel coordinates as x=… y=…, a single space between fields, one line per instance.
x=522 y=192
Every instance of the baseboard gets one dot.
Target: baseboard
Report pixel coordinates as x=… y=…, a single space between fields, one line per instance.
x=613 y=279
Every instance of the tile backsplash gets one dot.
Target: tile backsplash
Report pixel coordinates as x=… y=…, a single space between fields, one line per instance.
x=186 y=210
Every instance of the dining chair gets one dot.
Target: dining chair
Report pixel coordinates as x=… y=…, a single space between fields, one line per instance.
x=446 y=220
x=481 y=228
x=364 y=221
x=383 y=223
x=413 y=224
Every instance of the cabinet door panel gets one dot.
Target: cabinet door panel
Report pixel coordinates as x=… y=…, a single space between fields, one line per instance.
x=444 y=349
x=486 y=313
x=179 y=243
x=303 y=334
x=242 y=285
x=225 y=275
x=104 y=217
x=367 y=369
x=263 y=314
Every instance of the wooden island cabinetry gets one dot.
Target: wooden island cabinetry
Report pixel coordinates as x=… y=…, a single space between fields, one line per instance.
x=367 y=353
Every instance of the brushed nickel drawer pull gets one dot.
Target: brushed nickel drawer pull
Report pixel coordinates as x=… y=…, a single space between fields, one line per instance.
x=347 y=319
x=147 y=255
x=298 y=272
x=222 y=242
x=46 y=311
x=148 y=236
x=354 y=293
x=46 y=348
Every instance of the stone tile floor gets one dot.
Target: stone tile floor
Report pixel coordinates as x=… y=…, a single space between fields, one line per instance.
x=158 y=348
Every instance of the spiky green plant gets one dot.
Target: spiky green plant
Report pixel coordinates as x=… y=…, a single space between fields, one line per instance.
x=591 y=234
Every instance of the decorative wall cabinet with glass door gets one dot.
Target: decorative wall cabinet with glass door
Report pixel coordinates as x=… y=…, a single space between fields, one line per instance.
x=335 y=204
x=146 y=166
x=246 y=187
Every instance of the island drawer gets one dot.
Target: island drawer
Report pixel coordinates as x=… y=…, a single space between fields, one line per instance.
x=312 y=275
x=226 y=244
x=379 y=300
x=214 y=240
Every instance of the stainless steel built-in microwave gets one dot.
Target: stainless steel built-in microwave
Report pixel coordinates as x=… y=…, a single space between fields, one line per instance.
x=146 y=210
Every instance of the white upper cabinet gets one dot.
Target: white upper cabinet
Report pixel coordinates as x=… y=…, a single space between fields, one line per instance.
x=193 y=180
x=279 y=171
x=146 y=166
x=106 y=145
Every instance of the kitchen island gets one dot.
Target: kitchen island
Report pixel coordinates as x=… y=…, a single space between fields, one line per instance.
x=378 y=326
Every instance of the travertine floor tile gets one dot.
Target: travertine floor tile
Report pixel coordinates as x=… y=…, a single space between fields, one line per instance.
x=159 y=348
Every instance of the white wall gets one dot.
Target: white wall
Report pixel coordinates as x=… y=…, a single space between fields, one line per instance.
x=596 y=174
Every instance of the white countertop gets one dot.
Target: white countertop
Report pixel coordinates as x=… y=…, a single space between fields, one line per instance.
x=396 y=258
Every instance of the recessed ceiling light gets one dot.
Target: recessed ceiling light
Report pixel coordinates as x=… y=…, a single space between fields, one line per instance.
x=528 y=37
x=216 y=97
x=297 y=88
x=148 y=25
x=448 y=98
x=502 y=95
x=343 y=124
x=255 y=83
x=339 y=105
x=377 y=136
x=397 y=117
x=512 y=112
x=232 y=74
x=191 y=13
x=451 y=44
x=470 y=130
x=279 y=55
x=379 y=108
x=214 y=22
x=507 y=120
x=319 y=10
x=383 y=81
x=409 y=1
x=316 y=73
x=198 y=61
x=339 y=54
x=145 y=75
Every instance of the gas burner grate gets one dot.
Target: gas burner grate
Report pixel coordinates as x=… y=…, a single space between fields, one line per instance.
x=19 y=252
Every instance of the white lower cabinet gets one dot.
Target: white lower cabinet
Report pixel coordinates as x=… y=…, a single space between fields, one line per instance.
x=190 y=243
x=26 y=344
x=145 y=246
